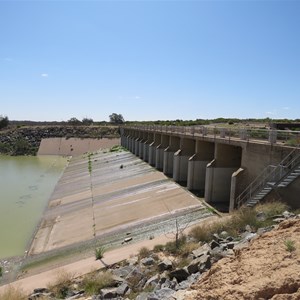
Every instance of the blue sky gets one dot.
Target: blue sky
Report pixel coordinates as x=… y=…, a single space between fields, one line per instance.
x=149 y=60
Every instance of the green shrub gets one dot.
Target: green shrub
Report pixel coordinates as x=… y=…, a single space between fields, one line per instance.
x=290 y=245
x=22 y=147
x=5 y=148
x=93 y=283
x=99 y=252
x=1 y=272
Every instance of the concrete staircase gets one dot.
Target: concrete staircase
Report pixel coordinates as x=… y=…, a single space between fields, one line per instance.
x=272 y=177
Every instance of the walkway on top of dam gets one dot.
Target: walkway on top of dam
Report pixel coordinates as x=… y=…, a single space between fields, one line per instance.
x=121 y=190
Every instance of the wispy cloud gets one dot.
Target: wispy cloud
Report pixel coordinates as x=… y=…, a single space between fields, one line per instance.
x=271 y=113
x=44 y=75
x=130 y=98
x=286 y=108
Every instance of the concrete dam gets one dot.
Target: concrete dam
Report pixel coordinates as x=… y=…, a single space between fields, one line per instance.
x=229 y=167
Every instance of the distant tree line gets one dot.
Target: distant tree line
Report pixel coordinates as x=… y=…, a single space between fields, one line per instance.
x=3 y=122
x=229 y=121
x=114 y=119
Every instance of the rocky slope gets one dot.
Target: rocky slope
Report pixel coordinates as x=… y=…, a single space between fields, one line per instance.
x=258 y=265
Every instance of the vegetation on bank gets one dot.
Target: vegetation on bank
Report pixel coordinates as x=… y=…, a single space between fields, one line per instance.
x=260 y=216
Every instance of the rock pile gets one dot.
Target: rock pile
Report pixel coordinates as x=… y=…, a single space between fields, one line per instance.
x=158 y=276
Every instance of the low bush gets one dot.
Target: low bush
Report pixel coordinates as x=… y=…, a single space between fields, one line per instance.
x=62 y=284
x=158 y=248
x=204 y=233
x=271 y=208
x=174 y=247
x=93 y=283
x=144 y=252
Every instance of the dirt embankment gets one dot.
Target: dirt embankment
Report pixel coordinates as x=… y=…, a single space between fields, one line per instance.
x=268 y=269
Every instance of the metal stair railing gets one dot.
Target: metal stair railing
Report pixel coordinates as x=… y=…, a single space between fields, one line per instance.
x=270 y=177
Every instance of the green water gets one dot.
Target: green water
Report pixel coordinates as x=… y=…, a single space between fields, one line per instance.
x=26 y=184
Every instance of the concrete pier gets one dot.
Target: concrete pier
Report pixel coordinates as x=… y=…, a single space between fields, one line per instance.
x=181 y=159
x=197 y=166
x=147 y=144
x=159 y=161
x=152 y=148
x=174 y=145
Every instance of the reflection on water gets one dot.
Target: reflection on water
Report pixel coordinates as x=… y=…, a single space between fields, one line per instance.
x=26 y=184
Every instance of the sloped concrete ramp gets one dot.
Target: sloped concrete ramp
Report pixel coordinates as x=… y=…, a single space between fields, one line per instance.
x=121 y=190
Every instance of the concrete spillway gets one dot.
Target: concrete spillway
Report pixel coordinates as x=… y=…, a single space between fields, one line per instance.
x=121 y=190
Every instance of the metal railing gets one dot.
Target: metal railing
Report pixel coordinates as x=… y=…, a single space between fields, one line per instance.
x=271 y=176
x=288 y=137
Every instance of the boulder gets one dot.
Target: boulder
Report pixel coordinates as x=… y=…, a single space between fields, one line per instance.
x=179 y=274
x=148 y=261
x=109 y=293
x=153 y=281
x=163 y=294
x=213 y=244
x=122 y=289
x=142 y=296
x=166 y=264
x=203 y=250
x=195 y=264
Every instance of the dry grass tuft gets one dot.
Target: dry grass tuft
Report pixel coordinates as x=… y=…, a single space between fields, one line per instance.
x=62 y=284
x=144 y=252
x=93 y=283
x=12 y=293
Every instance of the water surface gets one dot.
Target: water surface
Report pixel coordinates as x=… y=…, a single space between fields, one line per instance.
x=26 y=184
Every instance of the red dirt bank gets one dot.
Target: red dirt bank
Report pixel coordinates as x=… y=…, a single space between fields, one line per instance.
x=265 y=270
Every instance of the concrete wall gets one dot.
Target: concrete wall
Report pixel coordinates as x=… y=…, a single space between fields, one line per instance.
x=289 y=194
x=255 y=157
x=74 y=146
x=219 y=169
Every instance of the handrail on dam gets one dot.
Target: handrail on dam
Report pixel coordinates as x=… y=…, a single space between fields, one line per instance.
x=270 y=136
x=271 y=176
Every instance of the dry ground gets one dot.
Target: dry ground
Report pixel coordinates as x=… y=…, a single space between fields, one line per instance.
x=265 y=270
